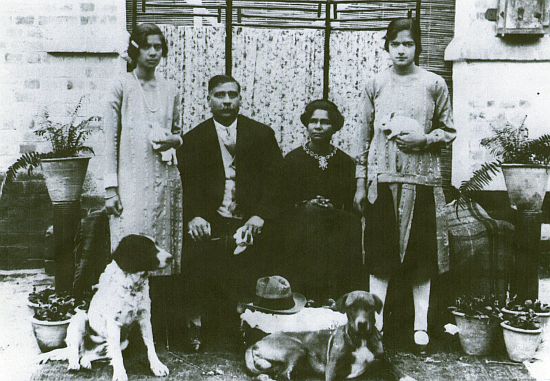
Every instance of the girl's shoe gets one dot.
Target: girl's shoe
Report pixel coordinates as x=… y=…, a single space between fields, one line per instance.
x=421 y=341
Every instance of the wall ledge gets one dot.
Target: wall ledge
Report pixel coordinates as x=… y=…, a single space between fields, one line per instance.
x=492 y=48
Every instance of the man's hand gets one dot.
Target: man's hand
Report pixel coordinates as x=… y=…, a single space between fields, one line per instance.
x=411 y=141
x=254 y=225
x=360 y=196
x=112 y=202
x=199 y=229
x=167 y=142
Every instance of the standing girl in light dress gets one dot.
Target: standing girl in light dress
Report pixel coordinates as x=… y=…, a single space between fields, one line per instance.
x=142 y=129
x=399 y=185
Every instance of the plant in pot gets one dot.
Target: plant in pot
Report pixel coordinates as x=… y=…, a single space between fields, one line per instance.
x=477 y=319
x=541 y=310
x=52 y=313
x=65 y=165
x=522 y=336
x=37 y=298
x=524 y=164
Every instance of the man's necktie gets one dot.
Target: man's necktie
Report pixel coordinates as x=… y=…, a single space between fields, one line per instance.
x=229 y=142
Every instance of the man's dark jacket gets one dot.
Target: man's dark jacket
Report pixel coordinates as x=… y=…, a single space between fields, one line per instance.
x=257 y=160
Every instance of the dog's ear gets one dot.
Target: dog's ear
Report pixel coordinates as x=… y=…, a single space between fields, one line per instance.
x=136 y=253
x=378 y=304
x=341 y=303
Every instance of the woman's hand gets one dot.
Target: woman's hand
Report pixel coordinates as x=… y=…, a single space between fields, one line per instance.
x=360 y=196
x=112 y=202
x=167 y=142
x=321 y=202
x=199 y=229
x=411 y=141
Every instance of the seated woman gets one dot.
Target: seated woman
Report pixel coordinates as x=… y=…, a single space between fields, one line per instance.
x=321 y=237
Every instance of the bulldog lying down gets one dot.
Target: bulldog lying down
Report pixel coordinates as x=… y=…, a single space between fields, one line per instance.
x=121 y=301
x=344 y=353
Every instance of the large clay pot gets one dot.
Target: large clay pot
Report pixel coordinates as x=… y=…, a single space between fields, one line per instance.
x=50 y=334
x=477 y=335
x=526 y=185
x=65 y=177
x=521 y=344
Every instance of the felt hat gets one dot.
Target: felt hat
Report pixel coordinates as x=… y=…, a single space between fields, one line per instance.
x=274 y=295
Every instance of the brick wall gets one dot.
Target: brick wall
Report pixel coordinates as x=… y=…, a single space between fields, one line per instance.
x=25 y=214
x=52 y=52
x=495 y=81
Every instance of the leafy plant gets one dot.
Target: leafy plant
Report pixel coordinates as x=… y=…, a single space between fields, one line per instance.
x=478 y=307
x=40 y=297
x=527 y=321
x=54 y=306
x=67 y=140
x=509 y=144
x=528 y=305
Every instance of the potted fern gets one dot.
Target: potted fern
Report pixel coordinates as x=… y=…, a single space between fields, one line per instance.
x=65 y=166
x=524 y=164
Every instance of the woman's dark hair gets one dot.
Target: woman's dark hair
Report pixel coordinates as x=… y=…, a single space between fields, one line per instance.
x=398 y=25
x=138 y=38
x=335 y=116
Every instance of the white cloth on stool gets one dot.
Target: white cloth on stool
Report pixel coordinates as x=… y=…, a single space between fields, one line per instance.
x=307 y=320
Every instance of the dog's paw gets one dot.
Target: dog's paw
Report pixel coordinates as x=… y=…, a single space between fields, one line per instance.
x=120 y=375
x=43 y=358
x=73 y=366
x=263 y=377
x=159 y=369
x=85 y=363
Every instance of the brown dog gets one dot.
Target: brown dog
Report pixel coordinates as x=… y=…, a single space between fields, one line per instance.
x=346 y=352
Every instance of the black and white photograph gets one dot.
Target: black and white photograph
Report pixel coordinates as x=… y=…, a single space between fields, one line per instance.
x=274 y=190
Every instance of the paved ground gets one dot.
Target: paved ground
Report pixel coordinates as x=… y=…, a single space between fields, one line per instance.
x=18 y=351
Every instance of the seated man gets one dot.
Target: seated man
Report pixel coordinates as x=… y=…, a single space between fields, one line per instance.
x=229 y=166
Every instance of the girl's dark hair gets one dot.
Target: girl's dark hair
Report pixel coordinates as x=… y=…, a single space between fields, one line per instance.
x=396 y=26
x=335 y=116
x=138 y=38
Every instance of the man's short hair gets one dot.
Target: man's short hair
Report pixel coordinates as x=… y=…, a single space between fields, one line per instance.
x=220 y=80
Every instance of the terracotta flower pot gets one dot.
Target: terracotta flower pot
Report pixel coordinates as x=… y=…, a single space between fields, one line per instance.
x=526 y=185
x=477 y=335
x=521 y=344
x=65 y=177
x=50 y=334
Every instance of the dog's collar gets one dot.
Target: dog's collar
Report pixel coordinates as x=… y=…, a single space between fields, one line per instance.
x=353 y=340
x=347 y=338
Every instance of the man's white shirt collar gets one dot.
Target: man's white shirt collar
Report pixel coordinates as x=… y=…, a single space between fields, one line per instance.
x=232 y=127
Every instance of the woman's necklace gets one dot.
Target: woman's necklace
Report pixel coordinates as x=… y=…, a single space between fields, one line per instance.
x=147 y=105
x=323 y=160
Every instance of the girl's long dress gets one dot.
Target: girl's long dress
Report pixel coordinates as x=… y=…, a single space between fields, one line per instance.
x=149 y=189
x=405 y=222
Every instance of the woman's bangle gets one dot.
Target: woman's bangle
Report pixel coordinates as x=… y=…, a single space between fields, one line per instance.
x=109 y=197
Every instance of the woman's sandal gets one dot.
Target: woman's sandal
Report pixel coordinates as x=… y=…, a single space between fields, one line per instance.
x=421 y=341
